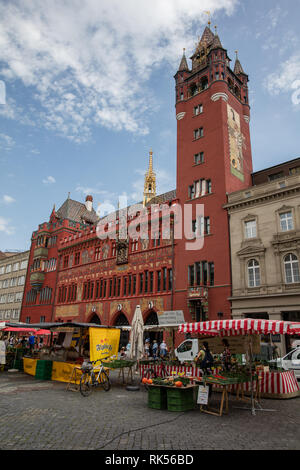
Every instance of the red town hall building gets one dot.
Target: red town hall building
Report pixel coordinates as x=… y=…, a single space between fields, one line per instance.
x=75 y=275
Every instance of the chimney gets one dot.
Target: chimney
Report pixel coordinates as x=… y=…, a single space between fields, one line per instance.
x=89 y=203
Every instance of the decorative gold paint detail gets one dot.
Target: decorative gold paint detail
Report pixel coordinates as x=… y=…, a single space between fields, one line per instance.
x=236 y=143
x=67 y=311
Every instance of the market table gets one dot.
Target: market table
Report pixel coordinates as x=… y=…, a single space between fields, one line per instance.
x=224 y=385
x=121 y=364
x=271 y=384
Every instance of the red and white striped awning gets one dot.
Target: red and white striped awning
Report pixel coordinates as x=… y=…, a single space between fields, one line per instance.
x=241 y=327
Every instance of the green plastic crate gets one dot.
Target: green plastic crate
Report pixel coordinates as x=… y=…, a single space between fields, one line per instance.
x=43 y=370
x=157 y=398
x=180 y=399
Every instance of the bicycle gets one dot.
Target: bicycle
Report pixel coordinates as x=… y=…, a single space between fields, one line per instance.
x=92 y=377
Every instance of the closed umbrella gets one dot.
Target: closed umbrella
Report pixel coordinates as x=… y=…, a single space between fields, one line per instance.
x=137 y=335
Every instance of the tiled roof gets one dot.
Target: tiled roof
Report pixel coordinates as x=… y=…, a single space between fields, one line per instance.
x=207 y=36
x=77 y=212
x=183 y=64
x=162 y=198
x=238 y=68
x=216 y=42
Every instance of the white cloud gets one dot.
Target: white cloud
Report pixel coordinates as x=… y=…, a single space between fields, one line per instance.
x=5 y=227
x=6 y=142
x=8 y=199
x=87 y=190
x=286 y=79
x=49 y=180
x=89 y=62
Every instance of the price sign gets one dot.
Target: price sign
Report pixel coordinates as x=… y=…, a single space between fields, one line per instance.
x=202 y=398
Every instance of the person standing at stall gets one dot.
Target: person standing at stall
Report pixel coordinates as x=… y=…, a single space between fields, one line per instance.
x=226 y=355
x=31 y=342
x=163 y=349
x=208 y=360
x=147 y=348
x=154 y=348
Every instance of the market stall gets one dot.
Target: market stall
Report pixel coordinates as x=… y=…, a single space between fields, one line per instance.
x=250 y=328
x=70 y=344
x=18 y=348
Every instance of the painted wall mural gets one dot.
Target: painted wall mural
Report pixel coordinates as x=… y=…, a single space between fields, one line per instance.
x=236 y=143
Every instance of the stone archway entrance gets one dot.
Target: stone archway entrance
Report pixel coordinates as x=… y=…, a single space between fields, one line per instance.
x=95 y=319
x=121 y=320
x=152 y=319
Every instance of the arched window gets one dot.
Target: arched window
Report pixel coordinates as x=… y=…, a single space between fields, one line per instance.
x=253 y=273
x=121 y=320
x=152 y=318
x=204 y=83
x=291 y=268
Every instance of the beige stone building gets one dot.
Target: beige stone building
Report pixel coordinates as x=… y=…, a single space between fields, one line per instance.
x=265 y=246
x=13 y=269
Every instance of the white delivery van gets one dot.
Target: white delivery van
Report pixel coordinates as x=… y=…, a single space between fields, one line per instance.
x=290 y=361
x=187 y=350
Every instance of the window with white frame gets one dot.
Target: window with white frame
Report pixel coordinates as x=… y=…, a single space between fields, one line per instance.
x=13 y=282
x=8 y=268
x=15 y=314
x=2 y=270
x=16 y=267
x=21 y=280
x=286 y=221
x=5 y=283
x=10 y=298
x=253 y=273
x=19 y=296
x=250 y=229
x=24 y=264
x=3 y=299
x=291 y=268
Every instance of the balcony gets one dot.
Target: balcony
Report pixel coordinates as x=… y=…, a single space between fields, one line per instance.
x=40 y=252
x=37 y=279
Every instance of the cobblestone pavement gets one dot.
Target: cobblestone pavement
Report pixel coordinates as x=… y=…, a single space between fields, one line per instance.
x=43 y=415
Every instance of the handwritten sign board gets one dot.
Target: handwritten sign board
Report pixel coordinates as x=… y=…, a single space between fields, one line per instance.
x=172 y=317
x=202 y=398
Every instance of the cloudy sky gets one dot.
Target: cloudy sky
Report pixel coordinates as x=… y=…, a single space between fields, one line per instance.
x=87 y=88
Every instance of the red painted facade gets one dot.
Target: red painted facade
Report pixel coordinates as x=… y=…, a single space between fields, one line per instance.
x=205 y=96
x=213 y=159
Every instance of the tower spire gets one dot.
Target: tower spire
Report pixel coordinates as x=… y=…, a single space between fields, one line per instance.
x=238 y=69
x=150 y=181
x=183 y=64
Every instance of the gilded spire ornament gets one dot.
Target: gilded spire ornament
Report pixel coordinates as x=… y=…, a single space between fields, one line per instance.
x=150 y=181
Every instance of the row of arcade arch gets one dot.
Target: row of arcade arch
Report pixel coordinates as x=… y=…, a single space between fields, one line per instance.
x=150 y=318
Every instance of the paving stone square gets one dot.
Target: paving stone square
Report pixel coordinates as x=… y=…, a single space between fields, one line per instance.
x=43 y=415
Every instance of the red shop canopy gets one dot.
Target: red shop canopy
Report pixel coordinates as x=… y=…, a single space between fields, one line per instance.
x=27 y=330
x=241 y=327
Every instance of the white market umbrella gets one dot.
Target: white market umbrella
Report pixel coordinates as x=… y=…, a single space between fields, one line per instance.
x=137 y=335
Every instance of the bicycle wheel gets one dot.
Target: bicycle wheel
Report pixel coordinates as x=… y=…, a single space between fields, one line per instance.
x=104 y=381
x=85 y=384
x=163 y=373
x=150 y=374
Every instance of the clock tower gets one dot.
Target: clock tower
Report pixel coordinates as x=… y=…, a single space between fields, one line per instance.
x=213 y=159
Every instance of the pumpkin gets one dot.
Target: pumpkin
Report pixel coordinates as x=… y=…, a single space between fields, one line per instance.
x=150 y=381
x=178 y=383
x=145 y=380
